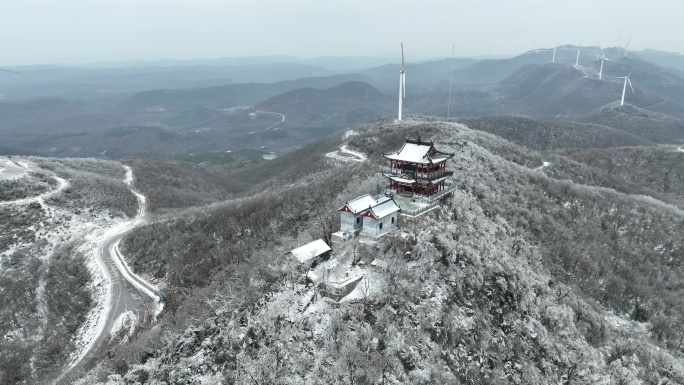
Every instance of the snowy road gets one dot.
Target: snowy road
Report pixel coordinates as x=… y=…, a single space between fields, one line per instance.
x=61 y=185
x=282 y=119
x=130 y=296
x=344 y=154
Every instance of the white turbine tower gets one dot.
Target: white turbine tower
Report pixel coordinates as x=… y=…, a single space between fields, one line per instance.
x=598 y=48
x=402 y=82
x=553 y=60
x=624 y=88
x=578 y=53
x=601 y=70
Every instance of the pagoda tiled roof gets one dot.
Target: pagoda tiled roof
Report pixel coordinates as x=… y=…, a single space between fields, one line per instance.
x=417 y=151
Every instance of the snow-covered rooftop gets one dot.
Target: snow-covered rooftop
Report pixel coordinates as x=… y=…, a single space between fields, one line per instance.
x=310 y=250
x=361 y=203
x=401 y=180
x=418 y=152
x=384 y=209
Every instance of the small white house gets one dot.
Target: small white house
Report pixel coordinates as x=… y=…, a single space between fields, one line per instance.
x=350 y=213
x=311 y=251
x=380 y=218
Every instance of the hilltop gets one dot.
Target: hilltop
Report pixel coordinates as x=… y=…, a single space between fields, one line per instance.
x=514 y=277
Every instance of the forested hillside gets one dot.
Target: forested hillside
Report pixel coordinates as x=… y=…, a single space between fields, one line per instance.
x=519 y=277
x=49 y=283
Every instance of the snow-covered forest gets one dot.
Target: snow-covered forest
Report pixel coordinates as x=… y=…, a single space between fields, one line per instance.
x=49 y=282
x=543 y=267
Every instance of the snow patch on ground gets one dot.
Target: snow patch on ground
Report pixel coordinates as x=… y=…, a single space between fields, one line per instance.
x=348 y=134
x=680 y=149
x=12 y=170
x=543 y=166
x=617 y=322
x=372 y=283
x=124 y=326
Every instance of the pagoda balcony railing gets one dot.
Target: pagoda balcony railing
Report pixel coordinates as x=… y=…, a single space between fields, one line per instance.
x=420 y=177
x=432 y=200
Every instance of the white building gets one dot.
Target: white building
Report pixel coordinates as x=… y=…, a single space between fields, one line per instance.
x=350 y=213
x=381 y=218
x=373 y=216
x=310 y=251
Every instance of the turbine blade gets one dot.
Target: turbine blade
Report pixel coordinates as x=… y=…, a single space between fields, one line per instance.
x=402 y=56
x=630 y=85
x=14 y=72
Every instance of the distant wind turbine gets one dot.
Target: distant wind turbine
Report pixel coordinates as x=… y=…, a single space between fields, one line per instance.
x=402 y=82
x=624 y=88
x=601 y=70
x=598 y=48
x=553 y=60
x=619 y=46
x=624 y=51
x=578 y=53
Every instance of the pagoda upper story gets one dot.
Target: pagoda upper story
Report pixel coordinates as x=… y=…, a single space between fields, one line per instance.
x=418 y=168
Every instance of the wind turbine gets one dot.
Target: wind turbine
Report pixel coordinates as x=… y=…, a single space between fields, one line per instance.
x=402 y=82
x=553 y=60
x=601 y=70
x=624 y=51
x=619 y=46
x=578 y=53
x=624 y=88
x=598 y=48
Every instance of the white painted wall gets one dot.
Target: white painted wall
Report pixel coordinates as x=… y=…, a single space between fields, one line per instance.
x=372 y=227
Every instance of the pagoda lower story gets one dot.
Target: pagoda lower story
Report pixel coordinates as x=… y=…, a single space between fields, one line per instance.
x=405 y=185
x=418 y=168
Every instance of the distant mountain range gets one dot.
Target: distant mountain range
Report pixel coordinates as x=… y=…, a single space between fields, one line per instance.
x=181 y=117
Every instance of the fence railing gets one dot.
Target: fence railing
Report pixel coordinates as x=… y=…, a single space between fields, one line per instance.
x=432 y=202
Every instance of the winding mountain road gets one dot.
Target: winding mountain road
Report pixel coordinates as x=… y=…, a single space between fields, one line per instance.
x=282 y=119
x=344 y=154
x=61 y=185
x=128 y=293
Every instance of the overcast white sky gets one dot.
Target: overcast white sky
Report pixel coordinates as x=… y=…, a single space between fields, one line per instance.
x=70 y=31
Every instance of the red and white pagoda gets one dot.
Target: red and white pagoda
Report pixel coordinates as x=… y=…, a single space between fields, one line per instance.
x=418 y=168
